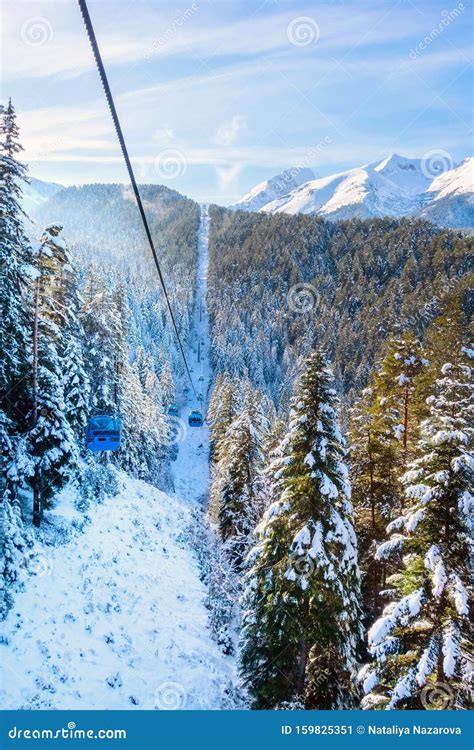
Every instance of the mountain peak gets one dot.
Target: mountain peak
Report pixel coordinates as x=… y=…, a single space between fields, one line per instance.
x=395 y=161
x=396 y=186
x=291 y=178
x=274 y=188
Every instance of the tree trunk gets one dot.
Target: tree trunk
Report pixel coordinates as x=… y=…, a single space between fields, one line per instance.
x=405 y=426
x=302 y=661
x=35 y=353
x=37 y=498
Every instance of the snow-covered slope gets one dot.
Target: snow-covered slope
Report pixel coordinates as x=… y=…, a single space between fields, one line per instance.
x=452 y=197
x=271 y=190
x=395 y=186
x=115 y=619
x=36 y=193
x=191 y=468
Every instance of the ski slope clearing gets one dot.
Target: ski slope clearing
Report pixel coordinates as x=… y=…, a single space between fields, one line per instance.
x=191 y=468
x=115 y=619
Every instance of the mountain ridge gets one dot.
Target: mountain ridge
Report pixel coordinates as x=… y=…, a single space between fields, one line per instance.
x=395 y=187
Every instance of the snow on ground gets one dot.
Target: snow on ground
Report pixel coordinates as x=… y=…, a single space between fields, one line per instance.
x=118 y=619
x=115 y=618
x=191 y=468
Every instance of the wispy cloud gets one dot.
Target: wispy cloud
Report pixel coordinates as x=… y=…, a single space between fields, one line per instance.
x=228 y=132
x=224 y=85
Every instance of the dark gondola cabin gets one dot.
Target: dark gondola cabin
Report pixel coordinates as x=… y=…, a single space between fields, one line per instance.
x=195 y=419
x=103 y=433
x=173 y=410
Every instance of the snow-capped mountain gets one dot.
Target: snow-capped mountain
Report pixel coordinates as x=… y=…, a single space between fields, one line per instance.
x=452 y=197
x=36 y=193
x=277 y=187
x=396 y=186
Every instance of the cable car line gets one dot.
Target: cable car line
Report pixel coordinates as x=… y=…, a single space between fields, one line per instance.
x=118 y=129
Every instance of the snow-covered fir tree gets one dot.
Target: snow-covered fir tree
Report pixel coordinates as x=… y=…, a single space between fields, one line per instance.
x=15 y=539
x=423 y=636
x=374 y=466
x=396 y=385
x=222 y=596
x=15 y=319
x=167 y=385
x=444 y=339
x=301 y=625
x=105 y=354
x=76 y=379
x=51 y=437
x=240 y=459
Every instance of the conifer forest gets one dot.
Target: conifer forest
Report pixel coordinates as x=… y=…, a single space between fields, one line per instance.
x=326 y=511
x=309 y=545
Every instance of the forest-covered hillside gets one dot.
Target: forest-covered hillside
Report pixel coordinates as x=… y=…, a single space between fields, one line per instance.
x=103 y=222
x=335 y=539
x=370 y=527
x=84 y=331
x=279 y=284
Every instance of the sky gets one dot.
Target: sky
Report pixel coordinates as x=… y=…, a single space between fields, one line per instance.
x=215 y=96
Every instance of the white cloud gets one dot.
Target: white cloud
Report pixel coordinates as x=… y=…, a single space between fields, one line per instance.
x=131 y=37
x=228 y=132
x=163 y=136
x=228 y=175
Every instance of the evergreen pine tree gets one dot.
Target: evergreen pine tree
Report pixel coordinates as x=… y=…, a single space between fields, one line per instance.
x=375 y=489
x=167 y=383
x=105 y=354
x=76 y=380
x=395 y=385
x=15 y=329
x=15 y=539
x=301 y=624
x=443 y=342
x=221 y=411
x=51 y=438
x=423 y=637
x=240 y=459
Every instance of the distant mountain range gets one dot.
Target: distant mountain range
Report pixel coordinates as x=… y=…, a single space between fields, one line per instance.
x=36 y=193
x=395 y=187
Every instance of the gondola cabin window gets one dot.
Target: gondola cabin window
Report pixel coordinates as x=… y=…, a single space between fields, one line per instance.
x=104 y=433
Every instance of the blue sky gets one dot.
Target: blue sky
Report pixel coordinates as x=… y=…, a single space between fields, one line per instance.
x=215 y=96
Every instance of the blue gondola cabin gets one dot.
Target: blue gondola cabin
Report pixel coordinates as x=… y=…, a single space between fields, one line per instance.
x=173 y=410
x=103 y=433
x=195 y=419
